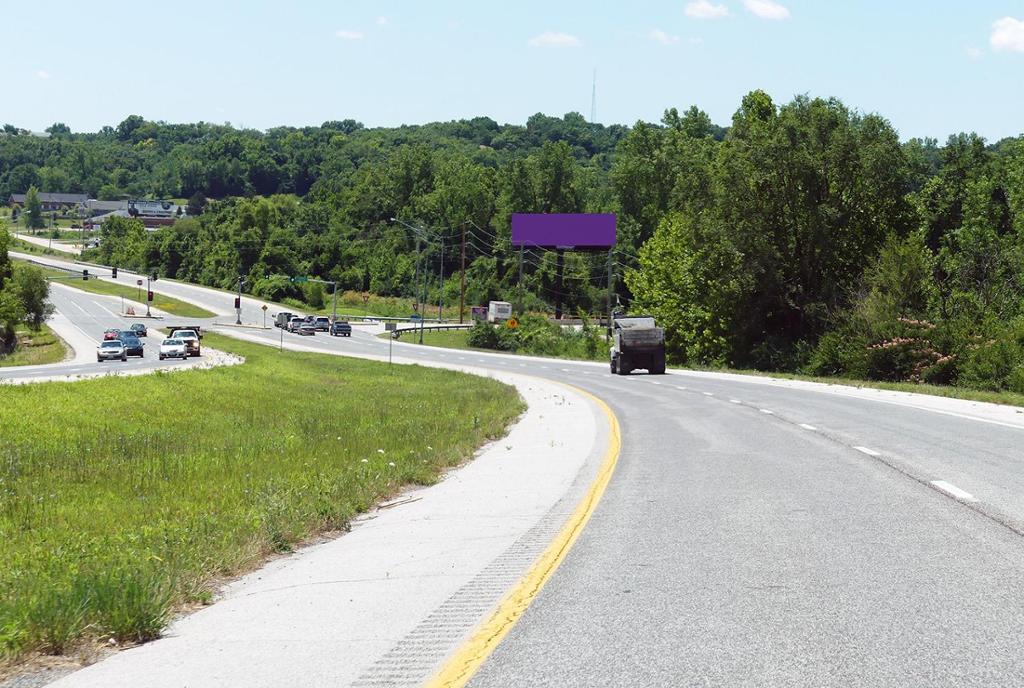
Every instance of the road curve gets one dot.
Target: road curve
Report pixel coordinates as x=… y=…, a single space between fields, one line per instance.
x=766 y=534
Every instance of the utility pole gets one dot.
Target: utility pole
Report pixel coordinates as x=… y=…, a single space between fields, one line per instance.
x=335 y=309
x=416 y=277
x=423 y=302
x=149 y=290
x=440 y=296
x=462 y=277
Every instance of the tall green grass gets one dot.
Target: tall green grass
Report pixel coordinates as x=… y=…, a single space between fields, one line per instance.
x=123 y=498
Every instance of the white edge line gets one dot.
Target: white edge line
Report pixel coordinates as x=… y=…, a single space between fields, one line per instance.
x=954 y=491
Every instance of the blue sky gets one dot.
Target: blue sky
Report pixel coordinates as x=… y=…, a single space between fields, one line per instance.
x=931 y=67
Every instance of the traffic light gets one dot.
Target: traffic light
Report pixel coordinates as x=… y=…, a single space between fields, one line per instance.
x=85 y=275
x=149 y=295
x=113 y=273
x=153 y=278
x=238 y=302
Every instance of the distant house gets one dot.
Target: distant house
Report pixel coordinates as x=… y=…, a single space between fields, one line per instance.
x=50 y=201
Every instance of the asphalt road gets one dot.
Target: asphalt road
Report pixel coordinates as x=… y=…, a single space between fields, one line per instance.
x=764 y=535
x=761 y=535
x=92 y=314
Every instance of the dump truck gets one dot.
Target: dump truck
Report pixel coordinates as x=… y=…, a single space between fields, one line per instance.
x=638 y=343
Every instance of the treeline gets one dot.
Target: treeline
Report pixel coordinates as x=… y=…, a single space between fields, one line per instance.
x=140 y=159
x=804 y=236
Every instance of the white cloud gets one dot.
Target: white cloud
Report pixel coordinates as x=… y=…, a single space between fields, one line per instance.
x=553 y=39
x=767 y=9
x=695 y=40
x=1008 y=35
x=974 y=53
x=382 y=21
x=703 y=9
x=43 y=74
x=347 y=35
x=663 y=38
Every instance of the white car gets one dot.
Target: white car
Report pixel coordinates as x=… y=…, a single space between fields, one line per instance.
x=173 y=348
x=111 y=350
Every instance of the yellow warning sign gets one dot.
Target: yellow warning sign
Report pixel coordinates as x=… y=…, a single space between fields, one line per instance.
x=511 y=323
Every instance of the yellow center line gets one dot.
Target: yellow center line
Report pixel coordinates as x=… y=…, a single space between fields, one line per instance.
x=462 y=664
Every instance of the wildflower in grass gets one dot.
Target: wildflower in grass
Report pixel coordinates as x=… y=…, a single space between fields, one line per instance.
x=380 y=451
x=391 y=463
x=366 y=461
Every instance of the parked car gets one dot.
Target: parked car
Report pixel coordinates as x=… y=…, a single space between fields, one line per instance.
x=341 y=328
x=139 y=330
x=293 y=323
x=322 y=323
x=111 y=333
x=173 y=348
x=306 y=329
x=191 y=339
x=282 y=319
x=133 y=346
x=110 y=350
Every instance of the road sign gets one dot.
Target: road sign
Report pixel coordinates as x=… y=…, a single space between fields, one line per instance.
x=390 y=327
x=511 y=323
x=299 y=280
x=138 y=283
x=264 y=307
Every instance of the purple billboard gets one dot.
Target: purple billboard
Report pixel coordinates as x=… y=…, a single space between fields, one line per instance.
x=583 y=232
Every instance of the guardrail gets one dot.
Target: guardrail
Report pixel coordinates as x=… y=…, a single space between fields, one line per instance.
x=397 y=333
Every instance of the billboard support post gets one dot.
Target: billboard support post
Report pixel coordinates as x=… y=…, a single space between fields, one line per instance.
x=608 y=330
x=559 y=281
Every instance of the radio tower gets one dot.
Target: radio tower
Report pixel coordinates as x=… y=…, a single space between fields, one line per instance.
x=593 y=100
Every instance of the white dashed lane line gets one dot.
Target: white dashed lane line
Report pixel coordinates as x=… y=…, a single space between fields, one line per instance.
x=954 y=491
x=735 y=401
x=708 y=394
x=868 y=451
x=770 y=413
x=805 y=426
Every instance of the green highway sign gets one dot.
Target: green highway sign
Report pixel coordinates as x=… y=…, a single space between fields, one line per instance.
x=299 y=279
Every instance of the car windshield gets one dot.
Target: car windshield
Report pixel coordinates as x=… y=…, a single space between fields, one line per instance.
x=185 y=333
x=112 y=344
x=173 y=342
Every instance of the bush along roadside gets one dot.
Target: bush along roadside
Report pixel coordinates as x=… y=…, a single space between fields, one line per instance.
x=538 y=336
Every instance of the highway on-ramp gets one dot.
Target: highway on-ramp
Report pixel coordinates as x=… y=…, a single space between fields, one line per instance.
x=767 y=533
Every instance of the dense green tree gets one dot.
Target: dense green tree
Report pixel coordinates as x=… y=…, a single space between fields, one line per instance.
x=32 y=216
x=31 y=288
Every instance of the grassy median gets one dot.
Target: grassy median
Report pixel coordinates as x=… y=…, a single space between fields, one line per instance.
x=123 y=499
x=131 y=292
x=35 y=347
